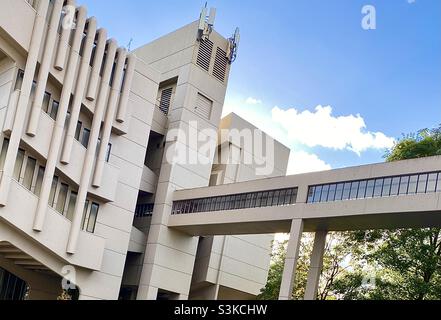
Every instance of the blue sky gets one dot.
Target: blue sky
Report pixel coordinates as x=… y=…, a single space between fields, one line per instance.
x=296 y=55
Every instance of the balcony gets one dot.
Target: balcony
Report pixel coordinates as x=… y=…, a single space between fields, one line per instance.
x=149 y=180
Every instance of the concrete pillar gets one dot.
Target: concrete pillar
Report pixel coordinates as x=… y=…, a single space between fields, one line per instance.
x=81 y=86
x=110 y=115
x=147 y=293
x=20 y=115
x=125 y=93
x=57 y=134
x=43 y=74
x=96 y=66
x=87 y=169
x=292 y=254
x=316 y=265
x=60 y=58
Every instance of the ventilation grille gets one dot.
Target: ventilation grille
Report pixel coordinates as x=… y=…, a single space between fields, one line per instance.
x=164 y=103
x=204 y=54
x=203 y=107
x=220 y=64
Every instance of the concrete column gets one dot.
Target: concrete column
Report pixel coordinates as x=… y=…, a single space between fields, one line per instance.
x=292 y=254
x=316 y=265
x=147 y=293
x=81 y=87
x=96 y=65
x=124 y=99
x=86 y=172
x=60 y=58
x=110 y=115
x=57 y=134
x=43 y=74
x=19 y=121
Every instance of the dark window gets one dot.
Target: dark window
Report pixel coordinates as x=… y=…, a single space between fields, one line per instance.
x=85 y=137
x=422 y=183
x=413 y=181
x=311 y=191
x=386 y=187
x=354 y=190
x=324 y=196
x=404 y=185
x=346 y=191
x=378 y=187
x=370 y=188
x=108 y=150
x=46 y=102
x=19 y=80
x=431 y=182
x=394 y=188
x=339 y=191
x=317 y=194
x=54 y=109
x=362 y=189
x=78 y=130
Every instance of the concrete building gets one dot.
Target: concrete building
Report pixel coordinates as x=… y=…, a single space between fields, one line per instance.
x=109 y=175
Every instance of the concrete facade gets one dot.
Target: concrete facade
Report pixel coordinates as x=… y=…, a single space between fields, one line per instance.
x=109 y=174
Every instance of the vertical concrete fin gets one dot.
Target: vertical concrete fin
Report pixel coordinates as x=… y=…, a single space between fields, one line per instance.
x=128 y=78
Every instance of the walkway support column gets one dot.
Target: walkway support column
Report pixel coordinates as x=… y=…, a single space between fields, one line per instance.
x=292 y=254
x=316 y=265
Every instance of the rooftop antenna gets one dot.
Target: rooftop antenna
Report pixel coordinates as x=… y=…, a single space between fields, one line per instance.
x=130 y=44
x=206 y=23
x=233 y=45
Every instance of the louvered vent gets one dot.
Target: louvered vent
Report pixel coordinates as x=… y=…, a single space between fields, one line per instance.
x=220 y=64
x=204 y=54
x=203 y=107
x=164 y=103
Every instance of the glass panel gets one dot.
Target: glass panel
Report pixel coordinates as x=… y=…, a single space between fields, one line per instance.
x=395 y=186
x=422 y=183
x=438 y=183
x=378 y=187
x=269 y=202
x=386 y=187
x=109 y=149
x=293 y=196
x=362 y=189
x=282 y=197
x=404 y=184
x=78 y=130
x=354 y=189
x=288 y=196
x=431 y=182
x=331 y=192
x=53 y=189
x=276 y=198
x=346 y=191
x=311 y=191
x=247 y=202
x=3 y=153
x=29 y=173
x=264 y=199
x=317 y=194
x=370 y=188
x=259 y=199
x=62 y=196
x=71 y=207
x=46 y=101
x=92 y=217
x=39 y=180
x=85 y=137
x=85 y=215
x=412 y=184
x=18 y=164
x=54 y=109
x=339 y=191
x=324 y=196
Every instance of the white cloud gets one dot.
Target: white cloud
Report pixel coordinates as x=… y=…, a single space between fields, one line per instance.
x=302 y=162
x=321 y=128
x=252 y=100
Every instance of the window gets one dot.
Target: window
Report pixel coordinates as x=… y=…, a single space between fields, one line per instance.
x=62 y=196
x=85 y=137
x=108 y=150
x=354 y=190
x=422 y=183
x=346 y=191
x=39 y=181
x=19 y=80
x=362 y=189
x=78 y=130
x=438 y=183
x=370 y=188
x=46 y=101
x=339 y=191
x=386 y=187
x=413 y=180
x=317 y=194
x=311 y=192
x=71 y=206
x=431 y=182
x=203 y=107
x=395 y=186
x=54 y=109
x=29 y=173
x=18 y=164
x=51 y=200
x=378 y=187
x=90 y=217
x=404 y=185
x=3 y=152
x=324 y=196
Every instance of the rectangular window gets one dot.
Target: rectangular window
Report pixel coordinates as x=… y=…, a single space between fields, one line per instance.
x=422 y=183
x=19 y=80
x=370 y=188
x=311 y=194
x=378 y=187
x=39 y=181
x=346 y=191
x=46 y=101
x=248 y=200
x=29 y=173
x=438 y=183
x=264 y=199
x=269 y=202
x=413 y=180
x=18 y=164
x=108 y=150
x=317 y=194
x=386 y=187
x=78 y=130
x=339 y=191
x=288 y=196
x=331 y=193
x=51 y=200
x=86 y=216
x=293 y=196
x=324 y=196
x=259 y=199
x=394 y=188
x=404 y=185
x=71 y=207
x=354 y=190
x=362 y=189
x=3 y=153
x=85 y=137
x=253 y=200
x=431 y=182
x=54 y=109
x=62 y=196
x=92 y=217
